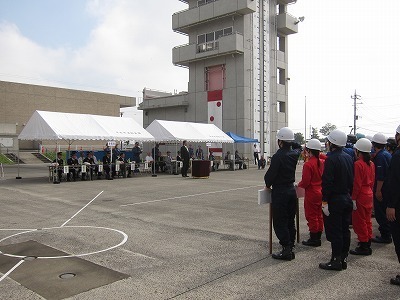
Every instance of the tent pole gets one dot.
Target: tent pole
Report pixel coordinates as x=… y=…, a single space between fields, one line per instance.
x=18 y=177
x=154 y=160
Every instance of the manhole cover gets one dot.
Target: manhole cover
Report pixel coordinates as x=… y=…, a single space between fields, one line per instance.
x=67 y=275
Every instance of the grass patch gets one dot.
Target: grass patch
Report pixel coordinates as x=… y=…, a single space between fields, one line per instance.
x=52 y=155
x=5 y=161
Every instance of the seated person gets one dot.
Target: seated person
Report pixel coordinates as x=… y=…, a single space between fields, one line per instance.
x=58 y=164
x=149 y=160
x=262 y=162
x=160 y=163
x=89 y=161
x=238 y=159
x=215 y=165
x=73 y=167
x=168 y=163
x=178 y=156
x=107 y=165
x=227 y=160
x=124 y=165
x=81 y=158
x=199 y=153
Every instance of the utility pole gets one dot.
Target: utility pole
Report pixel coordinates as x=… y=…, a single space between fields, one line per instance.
x=355 y=98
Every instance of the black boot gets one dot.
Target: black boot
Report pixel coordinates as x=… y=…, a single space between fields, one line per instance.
x=314 y=240
x=285 y=254
x=344 y=262
x=363 y=248
x=334 y=264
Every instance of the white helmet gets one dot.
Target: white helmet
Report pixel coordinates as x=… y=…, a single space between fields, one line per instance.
x=368 y=137
x=338 y=138
x=285 y=134
x=314 y=144
x=363 y=145
x=379 y=138
x=398 y=129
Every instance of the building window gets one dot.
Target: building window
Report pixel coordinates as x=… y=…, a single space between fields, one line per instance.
x=204 y=2
x=281 y=76
x=281 y=43
x=209 y=41
x=215 y=78
x=281 y=106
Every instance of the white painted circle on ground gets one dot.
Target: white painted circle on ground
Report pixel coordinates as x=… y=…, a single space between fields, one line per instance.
x=124 y=235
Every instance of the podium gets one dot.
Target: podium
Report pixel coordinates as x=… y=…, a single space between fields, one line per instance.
x=200 y=168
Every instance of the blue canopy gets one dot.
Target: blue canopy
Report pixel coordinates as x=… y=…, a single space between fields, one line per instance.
x=241 y=139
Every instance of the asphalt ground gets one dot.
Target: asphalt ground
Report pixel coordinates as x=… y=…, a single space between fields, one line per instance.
x=186 y=239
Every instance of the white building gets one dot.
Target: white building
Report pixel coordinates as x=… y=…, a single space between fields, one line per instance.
x=237 y=55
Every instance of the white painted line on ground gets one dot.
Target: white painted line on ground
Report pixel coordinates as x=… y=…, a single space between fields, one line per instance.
x=136 y=253
x=125 y=238
x=193 y=195
x=19 y=229
x=81 y=209
x=12 y=269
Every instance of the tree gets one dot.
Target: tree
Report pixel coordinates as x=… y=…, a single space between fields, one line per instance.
x=299 y=138
x=327 y=128
x=314 y=133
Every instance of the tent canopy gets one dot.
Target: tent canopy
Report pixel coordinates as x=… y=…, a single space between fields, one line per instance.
x=46 y=125
x=241 y=139
x=174 y=131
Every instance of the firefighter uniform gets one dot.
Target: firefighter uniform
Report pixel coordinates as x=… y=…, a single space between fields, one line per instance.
x=392 y=192
x=311 y=182
x=337 y=184
x=364 y=177
x=381 y=161
x=281 y=176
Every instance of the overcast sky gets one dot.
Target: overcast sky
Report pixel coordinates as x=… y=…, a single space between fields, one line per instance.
x=122 y=46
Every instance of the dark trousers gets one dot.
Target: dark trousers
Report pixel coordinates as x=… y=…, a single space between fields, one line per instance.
x=185 y=167
x=74 y=172
x=256 y=160
x=337 y=224
x=380 y=216
x=395 y=230
x=59 y=174
x=284 y=202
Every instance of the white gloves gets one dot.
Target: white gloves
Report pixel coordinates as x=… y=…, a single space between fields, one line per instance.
x=354 y=205
x=325 y=209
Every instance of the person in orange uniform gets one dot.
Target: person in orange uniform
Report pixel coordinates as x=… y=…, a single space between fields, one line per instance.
x=362 y=196
x=311 y=182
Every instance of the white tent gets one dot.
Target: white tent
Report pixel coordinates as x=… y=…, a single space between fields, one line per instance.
x=174 y=131
x=46 y=125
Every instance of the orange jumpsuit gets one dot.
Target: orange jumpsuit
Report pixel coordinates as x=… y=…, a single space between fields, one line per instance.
x=364 y=178
x=311 y=182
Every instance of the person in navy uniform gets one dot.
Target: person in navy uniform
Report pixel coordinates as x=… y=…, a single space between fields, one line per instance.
x=107 y=165
x=91 y=164
x=124 y=165
x=381 y=160
x=280 y=177
x=58 y=163
x=337 y=205
x=185 y=158
x=73 y=164
x=391 y=192
x=136 y=151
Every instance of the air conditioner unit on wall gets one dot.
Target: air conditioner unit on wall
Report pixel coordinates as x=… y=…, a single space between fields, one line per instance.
x=202 y=47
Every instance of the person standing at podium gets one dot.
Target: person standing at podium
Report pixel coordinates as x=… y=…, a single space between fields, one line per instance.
x=185 y=158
